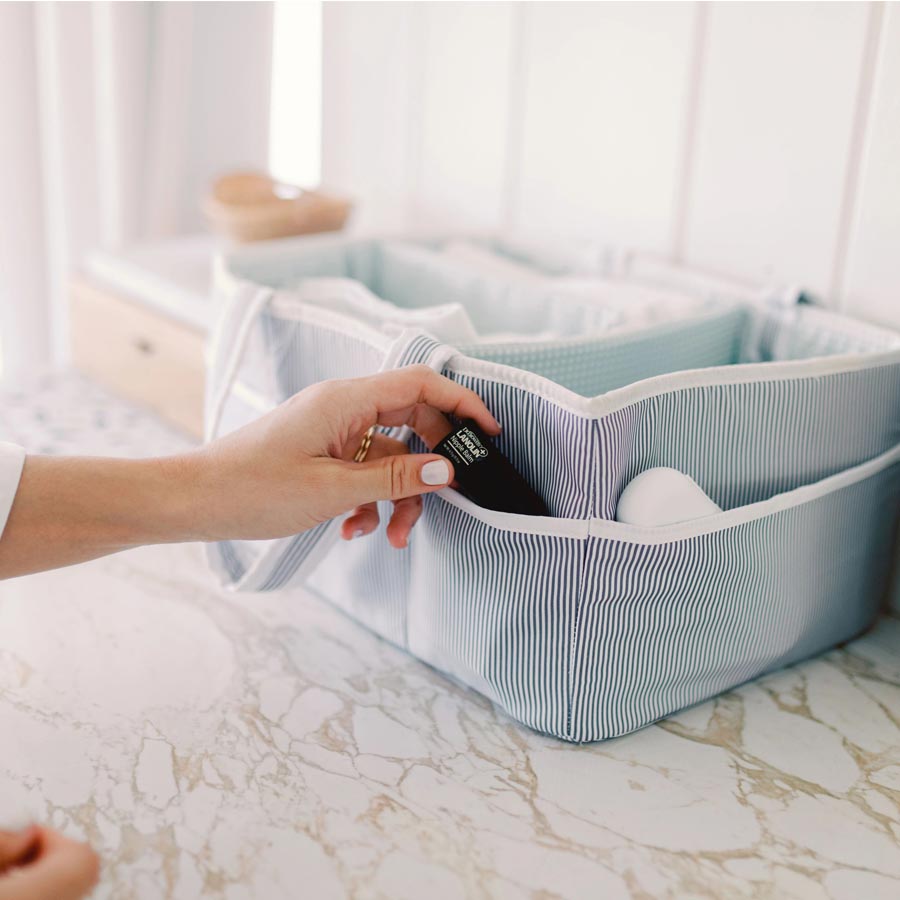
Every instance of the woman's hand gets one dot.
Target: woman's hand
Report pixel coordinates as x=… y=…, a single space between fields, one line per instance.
x=280 y=475
x=293 y=468
x=40 y=864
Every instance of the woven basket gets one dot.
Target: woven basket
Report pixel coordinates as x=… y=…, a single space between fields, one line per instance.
x=249 y=206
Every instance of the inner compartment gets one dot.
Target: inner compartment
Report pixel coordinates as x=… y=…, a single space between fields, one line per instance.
x=539 y=312
x=502 y=297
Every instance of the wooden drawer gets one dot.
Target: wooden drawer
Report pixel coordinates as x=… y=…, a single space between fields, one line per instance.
x=141 y=354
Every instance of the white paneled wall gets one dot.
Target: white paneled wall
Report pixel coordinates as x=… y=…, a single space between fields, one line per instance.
x=772 y=137
x=871 y=287
x=604 y=98
x=757 y=139
x=465 y=119
x=370 y=77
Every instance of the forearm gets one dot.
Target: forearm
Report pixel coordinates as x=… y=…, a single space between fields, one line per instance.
x=71 y=509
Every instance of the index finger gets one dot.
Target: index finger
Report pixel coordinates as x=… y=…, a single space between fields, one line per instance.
x=400 y=391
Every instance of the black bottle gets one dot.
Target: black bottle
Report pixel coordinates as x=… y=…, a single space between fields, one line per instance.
x=485 y=475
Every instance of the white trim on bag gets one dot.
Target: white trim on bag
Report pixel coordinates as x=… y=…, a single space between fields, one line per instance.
x=291 y=308
x=233 y=354
x=671 y=382
x=549 y=525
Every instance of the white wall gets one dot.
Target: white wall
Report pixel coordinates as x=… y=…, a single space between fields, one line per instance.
x=757 y=139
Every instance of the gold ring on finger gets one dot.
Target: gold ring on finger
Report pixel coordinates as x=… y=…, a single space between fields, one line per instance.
x=363 y=452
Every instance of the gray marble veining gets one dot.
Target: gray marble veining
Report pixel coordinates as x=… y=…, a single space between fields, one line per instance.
x=264 y=746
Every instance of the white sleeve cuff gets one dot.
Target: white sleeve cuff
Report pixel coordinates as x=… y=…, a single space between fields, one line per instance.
x=12 y=461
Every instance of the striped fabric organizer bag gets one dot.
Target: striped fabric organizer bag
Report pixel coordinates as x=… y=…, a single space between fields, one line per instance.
x=577 y=625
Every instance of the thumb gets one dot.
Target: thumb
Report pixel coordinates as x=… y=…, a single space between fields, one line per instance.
x=396 y=477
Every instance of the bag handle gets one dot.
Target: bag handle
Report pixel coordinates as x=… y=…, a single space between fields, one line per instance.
x=226 y=348
x=414 y=346
x=288 y=558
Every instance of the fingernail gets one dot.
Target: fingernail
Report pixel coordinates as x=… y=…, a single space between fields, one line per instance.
x=435 y=472
x=358 y=533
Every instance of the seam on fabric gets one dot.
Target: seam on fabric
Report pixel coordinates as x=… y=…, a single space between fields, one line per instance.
x=584 y=543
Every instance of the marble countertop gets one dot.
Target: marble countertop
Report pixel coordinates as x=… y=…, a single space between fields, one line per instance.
x=265 y=746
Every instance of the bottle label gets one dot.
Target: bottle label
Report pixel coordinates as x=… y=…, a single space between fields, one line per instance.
x=466 y=446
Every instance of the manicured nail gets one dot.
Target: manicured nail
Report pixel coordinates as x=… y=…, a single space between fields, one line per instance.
x=435 y=472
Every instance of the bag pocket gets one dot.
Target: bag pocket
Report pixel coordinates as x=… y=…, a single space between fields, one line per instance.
x=589 y=629
x=487 y=598
x=671 y=616
x=747 y=440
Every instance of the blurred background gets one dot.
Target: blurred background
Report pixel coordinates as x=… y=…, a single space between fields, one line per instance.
x=757 y=140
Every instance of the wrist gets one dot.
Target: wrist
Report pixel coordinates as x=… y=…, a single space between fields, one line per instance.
x=182 y=500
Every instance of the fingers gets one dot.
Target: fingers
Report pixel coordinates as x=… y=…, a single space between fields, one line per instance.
x=365 y=519
x=381 y=446
x=351 y=485
x=362 y=521
x=429 y=424
x=396 y=394
x=398 y=477
x=414 y=396
x=63 y=869
x=406 y=514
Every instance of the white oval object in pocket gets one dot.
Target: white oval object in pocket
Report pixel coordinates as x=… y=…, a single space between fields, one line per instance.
x=663 y=496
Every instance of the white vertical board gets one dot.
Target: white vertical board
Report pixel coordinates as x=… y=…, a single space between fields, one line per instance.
x=872 y=286
x=72 y=174
x=776 y=112
x=605 y=95
x=24 y=307
x=168 y=114
x=368 y=91
x=465 y=59
x=121 y=63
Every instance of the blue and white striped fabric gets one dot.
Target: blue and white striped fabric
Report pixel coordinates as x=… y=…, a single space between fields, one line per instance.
x=577 y=625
